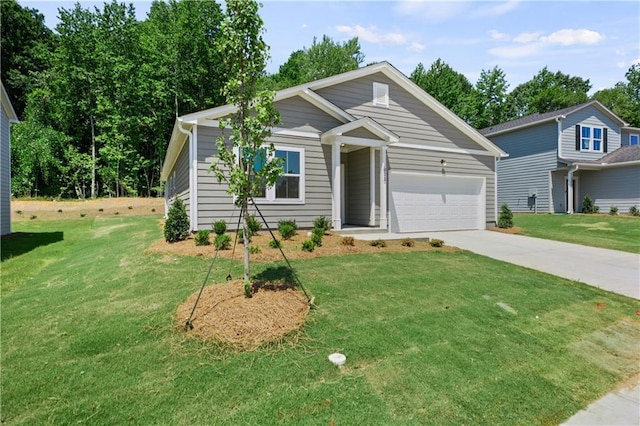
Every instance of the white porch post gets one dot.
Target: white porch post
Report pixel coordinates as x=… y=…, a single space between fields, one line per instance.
x=383 y=187
x=372 y=186
x=335 y=163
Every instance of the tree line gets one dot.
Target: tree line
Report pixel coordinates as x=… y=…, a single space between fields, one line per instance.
x=98 y=96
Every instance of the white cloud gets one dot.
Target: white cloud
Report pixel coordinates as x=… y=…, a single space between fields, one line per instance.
x=635 y=61
x=497 y=9
x=569 y=37
x=515 y=52
x=416 y=46
x=432 y=11
x=526 y=37
x=372 y=34
x=305 y=26
x=497 y=35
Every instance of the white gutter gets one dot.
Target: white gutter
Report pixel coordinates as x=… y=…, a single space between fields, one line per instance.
x=570 y=205
x=192 y=175
x=559 y=121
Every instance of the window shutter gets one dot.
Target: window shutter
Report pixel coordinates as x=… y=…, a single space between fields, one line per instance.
x=578 y=137
x=604 y=140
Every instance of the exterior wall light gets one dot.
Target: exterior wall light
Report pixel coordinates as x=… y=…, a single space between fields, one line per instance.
x=443 y=162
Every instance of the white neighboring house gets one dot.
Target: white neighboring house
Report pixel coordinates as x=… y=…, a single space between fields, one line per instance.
x=8 y=117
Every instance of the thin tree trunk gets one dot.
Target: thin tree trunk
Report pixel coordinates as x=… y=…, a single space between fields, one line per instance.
x=93 y=160
x=245 y=235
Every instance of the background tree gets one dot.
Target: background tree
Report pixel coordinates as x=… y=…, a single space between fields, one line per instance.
x=449 y=87
x=486 y=105
x=250 y=171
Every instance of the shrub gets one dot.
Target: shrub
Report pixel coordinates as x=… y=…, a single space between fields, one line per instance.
x=220 y=227
x=153 y=210
x=287 y=231
x=83 y=214
x=59 y=210
x=613 y=210
x=254 y=225
x=100 y=209
x=348 y=241
x=254 y=250
x=19 y=211
x=436 y=242
x=202 y=238
x=33 y=216
x=317 y=240
x=634 y=211
x=222 y=242
x=241 y=237
x=117 y=213
x=322 y=222
x=291 y=222
x=407 y=242
x=176 y=228
x=378 y=243
x=505 y=218
x=588 y=206
x=130 y=207
x=308 y=245
x=275 y=244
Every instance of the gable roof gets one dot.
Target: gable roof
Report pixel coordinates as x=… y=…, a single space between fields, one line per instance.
x=537 y=118
x=629 y=154
x=6 y=105
x=308 y=92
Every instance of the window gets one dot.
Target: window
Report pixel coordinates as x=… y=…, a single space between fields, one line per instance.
x=381 y=95
x=634 y=139
x=591 y=139
x=289 y=189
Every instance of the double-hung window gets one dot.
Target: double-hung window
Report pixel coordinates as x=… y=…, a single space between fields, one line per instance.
x=289 y=188
x=591 y=139
x=634 y=139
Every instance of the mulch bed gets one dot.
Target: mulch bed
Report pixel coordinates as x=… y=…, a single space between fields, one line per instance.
x=224 y=315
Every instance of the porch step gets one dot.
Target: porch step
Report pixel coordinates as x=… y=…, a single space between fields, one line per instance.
x=364 y=230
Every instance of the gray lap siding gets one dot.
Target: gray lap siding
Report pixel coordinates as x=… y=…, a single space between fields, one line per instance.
x=619 y=187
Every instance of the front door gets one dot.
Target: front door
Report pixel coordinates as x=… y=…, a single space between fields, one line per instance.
x=575 y=195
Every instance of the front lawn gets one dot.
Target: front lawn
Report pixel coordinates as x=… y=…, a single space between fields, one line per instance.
x=88 y=336
x=605 y=231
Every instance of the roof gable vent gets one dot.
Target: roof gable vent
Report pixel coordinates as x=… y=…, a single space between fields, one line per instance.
x=381 y=95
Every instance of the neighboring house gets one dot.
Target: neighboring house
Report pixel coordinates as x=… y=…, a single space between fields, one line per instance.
x=364 y=148
x=8 y=117
x=557 y=158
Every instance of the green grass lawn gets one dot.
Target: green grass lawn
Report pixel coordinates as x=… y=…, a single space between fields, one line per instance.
x=430 y=337
x=611 y=232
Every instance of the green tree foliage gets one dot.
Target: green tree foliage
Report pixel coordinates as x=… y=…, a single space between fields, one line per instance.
x=486 y=106
x=545 y=92
x=449 y=87
x=249 y=172
x=322 y=59
x=26 y=44
x=176 y=228
x=505 y=218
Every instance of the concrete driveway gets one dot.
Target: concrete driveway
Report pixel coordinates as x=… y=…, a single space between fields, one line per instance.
x=610 y=270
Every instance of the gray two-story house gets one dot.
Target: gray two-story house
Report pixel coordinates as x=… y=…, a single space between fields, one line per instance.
x=557 y=158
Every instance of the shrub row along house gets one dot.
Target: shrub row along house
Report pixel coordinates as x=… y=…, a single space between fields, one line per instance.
x=364 y=148
x=557 y=158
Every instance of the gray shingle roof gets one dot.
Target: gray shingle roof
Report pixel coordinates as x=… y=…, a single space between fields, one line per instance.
x=623 y=154
x=531 y=119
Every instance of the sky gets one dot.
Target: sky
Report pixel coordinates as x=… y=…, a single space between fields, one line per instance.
x=595 y=40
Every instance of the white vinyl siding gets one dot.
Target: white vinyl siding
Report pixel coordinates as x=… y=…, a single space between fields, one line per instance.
x=5 y=175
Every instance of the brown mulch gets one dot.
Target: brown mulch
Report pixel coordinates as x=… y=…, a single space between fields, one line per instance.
x=37 y=210
x=224 y=315
x=512 y=230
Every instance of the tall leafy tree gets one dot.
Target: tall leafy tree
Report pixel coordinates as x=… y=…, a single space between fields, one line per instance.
x=449 y=87
x=245 y=165
x=487 y=105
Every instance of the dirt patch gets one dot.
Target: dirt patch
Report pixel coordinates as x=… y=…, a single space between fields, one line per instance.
x=224 y=315
x=23 y=210
x=512 y=230
x=331 y=246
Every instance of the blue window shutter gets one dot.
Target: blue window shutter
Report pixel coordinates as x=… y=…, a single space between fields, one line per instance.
x=578 y=137
x=604 y=140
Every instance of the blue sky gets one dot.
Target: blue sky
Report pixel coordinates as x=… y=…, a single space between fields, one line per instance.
x=595 y=40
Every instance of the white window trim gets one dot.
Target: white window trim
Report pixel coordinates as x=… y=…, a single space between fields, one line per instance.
x=271 y=191
x=591 y=142
x=380 y=101
x=637 y=137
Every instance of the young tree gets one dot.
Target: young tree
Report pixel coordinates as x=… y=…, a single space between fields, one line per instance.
x=244 y=164
x=491 y=94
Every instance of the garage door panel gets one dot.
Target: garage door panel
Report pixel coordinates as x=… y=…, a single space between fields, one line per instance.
x=422 y=202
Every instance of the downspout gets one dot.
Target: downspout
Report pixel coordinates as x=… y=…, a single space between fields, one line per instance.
x=570 y=205
x=559 y=121
x=191 y=173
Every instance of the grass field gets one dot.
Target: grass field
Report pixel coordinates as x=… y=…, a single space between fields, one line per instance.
x=88 y=336
x=605 y=231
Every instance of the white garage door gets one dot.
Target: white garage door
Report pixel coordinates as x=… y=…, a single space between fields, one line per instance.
x=423 y=202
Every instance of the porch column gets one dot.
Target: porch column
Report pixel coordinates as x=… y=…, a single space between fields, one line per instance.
x=335 y=164
x=372 y=186
x=383 y=187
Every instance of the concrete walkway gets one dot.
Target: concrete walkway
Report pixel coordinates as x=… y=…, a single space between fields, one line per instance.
x=611 y=270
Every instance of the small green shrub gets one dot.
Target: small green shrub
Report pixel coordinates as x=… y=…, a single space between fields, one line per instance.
x=275 y=244
x=83 y=214
x=117 y=213
x=634 y=211
x=317 y=240
x=287 y=231
x=19 y=211
x=322 y=222
x=130 y=207
x=254 y=249
x=348 y=241
x=378 y=243
x=202 y=238
x=588 y=206
x=241 y=234
x=254 y=225
x=505 y=218
x=308 y=245
x=613 y=211
x=291 y=222
x=407 y=242
x=153 y=210
x=220 y=227
x=33 y=216
x=176 y=228
x=59 y=210
x=101 y=209
x=436 y=242
x=222 y=242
